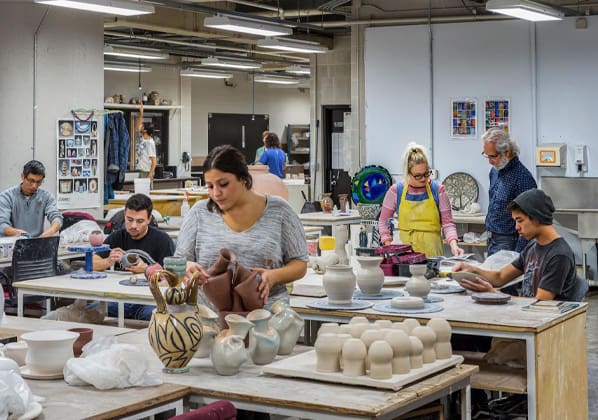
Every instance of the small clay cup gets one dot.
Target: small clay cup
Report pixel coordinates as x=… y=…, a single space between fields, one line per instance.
x=85 y=336
x=130 y=258
x=96 y=238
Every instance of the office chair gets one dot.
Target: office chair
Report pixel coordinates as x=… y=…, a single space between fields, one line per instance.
x=32 y=259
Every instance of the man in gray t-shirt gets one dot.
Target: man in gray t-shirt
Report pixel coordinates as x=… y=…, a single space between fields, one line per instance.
x=547 y=262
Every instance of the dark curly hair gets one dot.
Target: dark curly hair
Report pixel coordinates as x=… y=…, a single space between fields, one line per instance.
x=227 y=158
x=271 y=140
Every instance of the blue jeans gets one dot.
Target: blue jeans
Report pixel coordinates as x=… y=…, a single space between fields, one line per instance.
x=132 y=311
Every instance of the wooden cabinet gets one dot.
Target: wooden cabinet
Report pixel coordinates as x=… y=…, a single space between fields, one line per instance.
x=297 y=147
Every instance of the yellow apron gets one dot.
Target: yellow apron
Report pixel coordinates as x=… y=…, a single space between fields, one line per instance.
x=419 y=224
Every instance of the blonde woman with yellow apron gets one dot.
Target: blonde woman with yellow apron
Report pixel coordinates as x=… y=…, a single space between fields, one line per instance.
x=423 y=208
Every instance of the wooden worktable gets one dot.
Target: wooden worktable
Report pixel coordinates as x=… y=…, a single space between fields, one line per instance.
x=556 y=372
x=304 y=398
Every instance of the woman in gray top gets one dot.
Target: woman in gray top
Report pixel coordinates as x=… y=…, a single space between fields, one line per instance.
x=263 y=231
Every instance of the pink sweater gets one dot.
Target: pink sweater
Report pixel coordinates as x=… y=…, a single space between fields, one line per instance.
x=389 y=206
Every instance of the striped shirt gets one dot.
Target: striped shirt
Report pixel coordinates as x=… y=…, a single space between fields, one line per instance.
x=389 y=207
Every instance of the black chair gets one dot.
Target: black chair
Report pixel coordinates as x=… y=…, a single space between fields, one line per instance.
x=32 y=259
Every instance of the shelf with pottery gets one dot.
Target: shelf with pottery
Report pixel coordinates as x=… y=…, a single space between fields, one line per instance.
x=250 y=390
x=108 y=105
x=555 y=344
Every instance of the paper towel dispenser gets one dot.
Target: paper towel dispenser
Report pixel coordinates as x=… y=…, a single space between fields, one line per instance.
x=551 y=155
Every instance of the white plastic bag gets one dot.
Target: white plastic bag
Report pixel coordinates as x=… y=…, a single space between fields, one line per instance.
x=15 y=395
x=79 y=232
x=499 y=260
x=107 y=364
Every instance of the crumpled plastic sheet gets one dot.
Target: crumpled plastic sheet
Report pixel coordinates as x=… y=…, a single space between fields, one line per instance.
x=106 y=364
x=79 y=232
x=15 y=395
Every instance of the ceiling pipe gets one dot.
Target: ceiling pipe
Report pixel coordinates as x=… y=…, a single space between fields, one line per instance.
x=174 y=4
x=204 y=46
x=412 y=21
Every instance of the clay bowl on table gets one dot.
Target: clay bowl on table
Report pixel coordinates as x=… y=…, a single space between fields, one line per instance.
x=407 y=302
x=49 y=350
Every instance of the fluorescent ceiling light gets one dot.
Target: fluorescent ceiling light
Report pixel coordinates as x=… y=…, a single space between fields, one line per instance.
x=276 y=80
x=232 y=64
x=133 y=68
x=297 y=70
x=135 y=52
x=246 y=26
x=293 y=45
x=209 y=74
x=113 y=7
x=524 y=9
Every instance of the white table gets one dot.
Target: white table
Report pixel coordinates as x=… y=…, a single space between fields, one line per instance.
x=105 y=289
x=307 y=399
x=556 y=370
x=327 y=219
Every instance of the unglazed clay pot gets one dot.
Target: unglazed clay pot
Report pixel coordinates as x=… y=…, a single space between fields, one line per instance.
x=443 y=337
x=48 y=350
x=409 y=324
x=85 y=336
x=288 y=324
x=401 y=347
x=415 y=353
x=16 y=351
x=328 y=328
x=175 y=330
x=341 y=235
x=328 y=348
x=353 y=356
x=228 y=352
x=266 y=183
x=380 y=358
x=263 y=339
x=418 y=285
x=96 y=238
x=339 y=284
x=210 y=329
x=428 y=338
x=370 y=277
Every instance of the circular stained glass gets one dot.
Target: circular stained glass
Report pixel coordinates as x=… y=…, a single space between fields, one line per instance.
x=369 y=185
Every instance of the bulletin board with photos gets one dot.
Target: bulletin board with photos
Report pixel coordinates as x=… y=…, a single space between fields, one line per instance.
x=78 y=163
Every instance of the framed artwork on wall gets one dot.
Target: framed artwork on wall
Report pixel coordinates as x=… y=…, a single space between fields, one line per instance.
x=497 y=113
x=464 y=118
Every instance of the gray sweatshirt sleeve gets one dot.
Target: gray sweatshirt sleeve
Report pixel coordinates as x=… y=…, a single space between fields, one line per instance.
x=5 y=211
x=51 y=211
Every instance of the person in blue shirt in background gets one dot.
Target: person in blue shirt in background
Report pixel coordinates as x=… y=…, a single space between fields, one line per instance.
x=508 y=178
x=273 y=155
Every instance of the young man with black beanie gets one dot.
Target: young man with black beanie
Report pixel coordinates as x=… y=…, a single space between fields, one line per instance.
x=547 y=262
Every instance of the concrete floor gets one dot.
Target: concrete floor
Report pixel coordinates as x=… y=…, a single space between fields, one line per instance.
x=592 y=331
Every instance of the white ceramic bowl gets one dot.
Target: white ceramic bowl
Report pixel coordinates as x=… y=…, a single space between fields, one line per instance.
x=49 y=350
x=407 y=302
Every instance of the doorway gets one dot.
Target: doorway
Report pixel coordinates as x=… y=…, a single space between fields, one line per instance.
x=243 y=131
x=336 y=178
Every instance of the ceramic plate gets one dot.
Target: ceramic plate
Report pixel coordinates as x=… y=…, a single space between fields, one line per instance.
x=384 y=294
x=141 y=281
x=462 y=189
x=34 y=410
x=428 y=308
x=491 y=298
x=395 y=281
x=28 y=374
x=353 y=306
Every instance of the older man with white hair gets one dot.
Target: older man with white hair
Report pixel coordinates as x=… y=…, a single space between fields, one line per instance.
x=508 y=178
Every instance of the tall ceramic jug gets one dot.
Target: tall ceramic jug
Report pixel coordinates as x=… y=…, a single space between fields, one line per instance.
x=228 y=352
x=418 y=285
x=263 y=339
x=288 y=324
x=175 y=328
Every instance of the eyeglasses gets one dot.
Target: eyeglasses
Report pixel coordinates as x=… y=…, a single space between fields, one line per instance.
x=33 y=181
x=421 y=176
x=491 y=156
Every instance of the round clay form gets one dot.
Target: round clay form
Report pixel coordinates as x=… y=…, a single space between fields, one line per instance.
x=380 y=358
x=443 y=337
x=407 y=302
x=428 y=338
x=353 y=357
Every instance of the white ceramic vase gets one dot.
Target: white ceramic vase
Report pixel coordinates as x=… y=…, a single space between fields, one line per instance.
x=380 y=358
x=263 y=339
x=428 y=338
x=370 y=277
x=328 y=349
x=339 y=283
x=418 y=285
x=228 y=352
x=49 y=350
x=341 y=235
x=210 y=329
x=288 y=324
x=443 y=332
x=353 y=357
